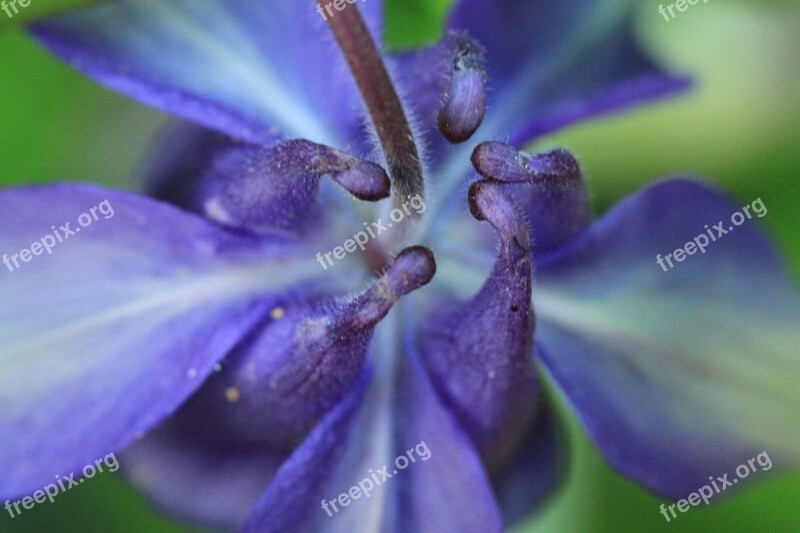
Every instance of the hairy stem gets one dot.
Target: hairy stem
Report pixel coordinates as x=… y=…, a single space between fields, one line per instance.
x=383 y=104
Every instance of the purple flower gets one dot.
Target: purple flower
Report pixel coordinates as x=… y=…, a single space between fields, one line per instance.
x=230 y=334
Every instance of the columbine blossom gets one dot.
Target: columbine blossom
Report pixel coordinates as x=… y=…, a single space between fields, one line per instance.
x=196 y=332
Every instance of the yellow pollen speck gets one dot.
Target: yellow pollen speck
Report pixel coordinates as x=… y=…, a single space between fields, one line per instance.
x=232 y=394
x=277 y=313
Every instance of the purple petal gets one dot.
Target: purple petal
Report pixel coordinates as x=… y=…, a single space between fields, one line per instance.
x=179 y=156
x=450 y=491
x=682 y=374
x=106 y=333
x=479 y=354
x=444 y=488
x=538 y=469
x=291 y=502
x=193 y=477
x=274 y=190
x=296 y=367
x=206 y=464
x=445 y=89
x=556 y=203
x=557 y=62
x=249 y=68
x=446 y=85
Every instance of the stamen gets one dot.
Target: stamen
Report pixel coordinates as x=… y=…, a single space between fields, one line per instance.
x=383 y=104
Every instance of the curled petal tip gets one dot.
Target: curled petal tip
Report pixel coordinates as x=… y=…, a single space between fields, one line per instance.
x=275 y=188
x=465 y=107
x=465 y=100
x=365 y=180
x=503 y=162
x=557 y=165
x=413 y=268
x=472 y=196
x=489 y=202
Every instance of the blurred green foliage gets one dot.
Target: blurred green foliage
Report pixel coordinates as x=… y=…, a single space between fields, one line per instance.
x=740 y=129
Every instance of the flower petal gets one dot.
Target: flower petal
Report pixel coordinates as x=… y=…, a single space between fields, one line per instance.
x=479 y=353
x=294 y=369
x=682 y=374
x=556 y=202
x=445 y=86
x=291 y=502
x=558 y=62
x=192 y=477
x=554 y=63
x=242 y=67
x=537 y=471
x=109 y=333
x=450 y=491
x=444 y=489
x=268 y=190
x=178 y=157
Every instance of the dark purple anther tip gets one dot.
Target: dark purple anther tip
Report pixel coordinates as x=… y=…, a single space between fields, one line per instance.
x=465 y=100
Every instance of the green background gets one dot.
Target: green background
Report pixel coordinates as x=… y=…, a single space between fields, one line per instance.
x=740 y=129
